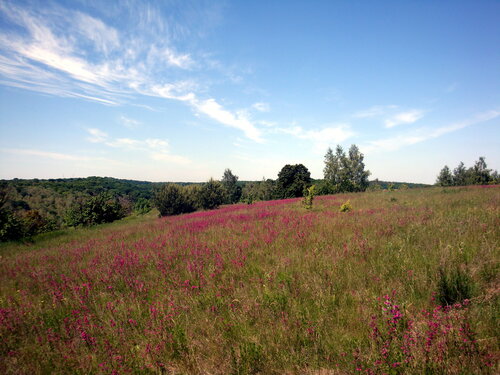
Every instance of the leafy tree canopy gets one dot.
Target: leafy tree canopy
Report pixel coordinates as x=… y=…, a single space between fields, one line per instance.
x=345 y=173
x=230 y=183
x=292 y=180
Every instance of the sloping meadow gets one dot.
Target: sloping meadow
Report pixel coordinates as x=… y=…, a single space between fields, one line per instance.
x=406 y=282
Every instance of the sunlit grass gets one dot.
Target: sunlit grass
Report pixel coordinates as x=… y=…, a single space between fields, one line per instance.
x=263 y=288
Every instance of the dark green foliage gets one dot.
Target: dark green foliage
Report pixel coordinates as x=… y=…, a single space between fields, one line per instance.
x=445 y=178
x=34 y=223
x=264 y=190
x=192 y=195
x=102 y=208
x=230 y=183
x=211 y=195
x=460 y=175
x=453 y=286
x=23 y=223
x=345 y=173
x=173 y=199
x=292 y=180
x=378 y=185
x=10 y=227
x=54 y=197
x=324 y=187
x=92 y=186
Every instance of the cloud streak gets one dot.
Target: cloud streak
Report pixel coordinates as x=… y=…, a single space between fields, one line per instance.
x=69 y=53
x=323 y=138
x=156 y=149
x=424 y=134
x=408 y=117
x=61 y=156
x=375 y=111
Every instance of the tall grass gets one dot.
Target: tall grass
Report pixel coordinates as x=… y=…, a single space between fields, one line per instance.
x=267 y=288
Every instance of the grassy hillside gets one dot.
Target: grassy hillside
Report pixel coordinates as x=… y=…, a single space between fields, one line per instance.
x=405 y=283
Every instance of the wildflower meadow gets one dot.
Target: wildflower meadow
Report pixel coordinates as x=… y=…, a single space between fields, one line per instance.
x=402 y=282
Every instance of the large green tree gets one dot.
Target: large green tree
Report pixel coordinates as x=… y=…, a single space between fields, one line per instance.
x=264 y=190
x=212 y=194
x=460 y=175
x=173 y=199
x=445 y=178
x=292 y=180
x=356 y=167
x=345 y=173
x=479 y=174
x=230 y=183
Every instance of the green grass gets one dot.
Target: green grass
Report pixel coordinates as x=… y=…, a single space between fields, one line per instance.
x=267 y=288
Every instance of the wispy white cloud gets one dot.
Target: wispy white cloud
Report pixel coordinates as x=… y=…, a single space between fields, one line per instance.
x=393 y=115
x=183 y=61
x=266 y=123
x=103 y=37
x=261 y=107
x=375 y=111
x=407 y=117
x=73 y=158
x=96 y=135
x=72 y=54
x=238 y=120
x=424 y=134
x=129 y=122
x=46 y=154
x=323 y=138
x=169 y=158
x=157 y=149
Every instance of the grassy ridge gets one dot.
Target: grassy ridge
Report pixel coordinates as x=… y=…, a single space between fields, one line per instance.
x=266 y=288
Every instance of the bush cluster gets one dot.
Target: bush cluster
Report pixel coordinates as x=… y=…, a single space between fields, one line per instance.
x=173 y=199
x=479 y=174
x=102 y=208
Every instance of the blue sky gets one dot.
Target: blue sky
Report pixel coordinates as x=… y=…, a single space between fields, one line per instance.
x=181 y=90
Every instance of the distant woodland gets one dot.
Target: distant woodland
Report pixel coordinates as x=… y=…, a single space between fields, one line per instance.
x=30 y=207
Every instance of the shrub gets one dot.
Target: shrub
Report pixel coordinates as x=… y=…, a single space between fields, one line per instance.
x=346 y=207
x=324 y=187
x=192 y=195
x=99 y=209
x=34 y=223
x=172 y=199
x=11 y=227
x=211 y=195
x=142 y=206
x=308 y=197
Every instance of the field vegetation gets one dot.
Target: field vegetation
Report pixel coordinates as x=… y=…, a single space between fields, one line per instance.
x=395 y=282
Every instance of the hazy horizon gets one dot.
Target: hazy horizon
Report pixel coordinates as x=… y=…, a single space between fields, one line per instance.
x=179 y=91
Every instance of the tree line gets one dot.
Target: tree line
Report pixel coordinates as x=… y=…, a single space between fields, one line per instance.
x=30 y=207
x=478 y=174
x=343 y=172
